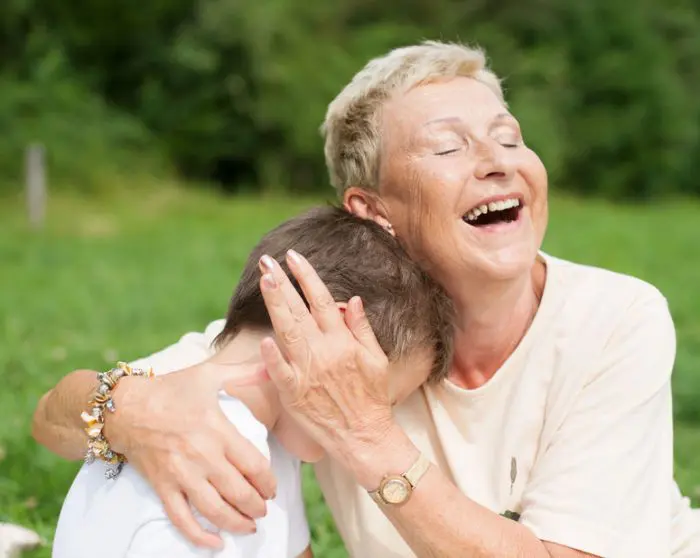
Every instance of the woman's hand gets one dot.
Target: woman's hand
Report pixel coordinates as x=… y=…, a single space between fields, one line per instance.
x=330 y=370
x=172 y=430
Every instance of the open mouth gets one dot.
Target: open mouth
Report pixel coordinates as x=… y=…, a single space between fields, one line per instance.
x=493 y=213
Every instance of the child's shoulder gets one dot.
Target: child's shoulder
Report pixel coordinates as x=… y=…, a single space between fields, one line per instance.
x=245 y=422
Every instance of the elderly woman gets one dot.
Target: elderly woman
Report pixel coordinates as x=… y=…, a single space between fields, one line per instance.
x=551 y=437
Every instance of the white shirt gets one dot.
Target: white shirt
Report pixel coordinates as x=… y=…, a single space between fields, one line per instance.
x=124 y=518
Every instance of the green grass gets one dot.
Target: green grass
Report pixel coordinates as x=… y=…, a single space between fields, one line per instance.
x=121 y=278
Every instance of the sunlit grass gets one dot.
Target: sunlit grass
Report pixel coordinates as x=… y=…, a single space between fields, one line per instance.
x=120 y=278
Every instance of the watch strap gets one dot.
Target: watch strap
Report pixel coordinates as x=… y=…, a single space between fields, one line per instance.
x=417 y=470
x=374 y=494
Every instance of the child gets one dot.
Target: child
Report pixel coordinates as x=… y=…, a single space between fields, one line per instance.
x=411 y=318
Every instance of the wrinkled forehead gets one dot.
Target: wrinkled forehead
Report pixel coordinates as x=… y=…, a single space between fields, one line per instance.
x=457 y=101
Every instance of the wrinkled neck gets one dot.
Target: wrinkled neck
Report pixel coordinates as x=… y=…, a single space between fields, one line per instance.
x=491 y=325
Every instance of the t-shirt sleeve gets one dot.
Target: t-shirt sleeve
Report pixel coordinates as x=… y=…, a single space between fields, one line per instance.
x=159 y=537
x=602 y=483
x=291 y=482
x=190 y=349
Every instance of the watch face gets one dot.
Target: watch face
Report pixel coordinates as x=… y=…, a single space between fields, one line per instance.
x=395 y=490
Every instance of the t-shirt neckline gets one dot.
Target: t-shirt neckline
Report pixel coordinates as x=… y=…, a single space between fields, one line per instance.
x=510 y=365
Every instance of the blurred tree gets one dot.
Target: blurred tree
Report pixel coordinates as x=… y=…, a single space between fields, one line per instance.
x=234 y=90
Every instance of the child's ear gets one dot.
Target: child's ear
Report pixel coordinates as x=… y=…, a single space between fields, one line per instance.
x=342 y=306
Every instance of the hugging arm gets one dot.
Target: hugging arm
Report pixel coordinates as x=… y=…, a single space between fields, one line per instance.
x=173 y=431
x=56 y=424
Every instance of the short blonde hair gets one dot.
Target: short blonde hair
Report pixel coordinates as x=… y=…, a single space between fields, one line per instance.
x=351 y=127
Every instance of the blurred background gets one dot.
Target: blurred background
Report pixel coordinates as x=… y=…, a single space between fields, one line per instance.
x=173 y=133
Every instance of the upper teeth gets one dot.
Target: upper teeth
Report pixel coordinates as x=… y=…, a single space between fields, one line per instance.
x=473 y=214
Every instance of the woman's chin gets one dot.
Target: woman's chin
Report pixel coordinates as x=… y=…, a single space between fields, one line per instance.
x=506 y=263
x=500 y=252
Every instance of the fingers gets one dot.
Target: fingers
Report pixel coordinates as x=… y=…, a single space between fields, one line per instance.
x=180 y=513
x=238 y=492
x=252 y=465
x=208 y=502
x=281 y=373
x=291 y=331
x=322 y=303
x=357 y=322
x=289 y=294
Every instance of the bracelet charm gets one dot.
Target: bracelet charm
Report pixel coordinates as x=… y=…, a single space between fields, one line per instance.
x=94 y=418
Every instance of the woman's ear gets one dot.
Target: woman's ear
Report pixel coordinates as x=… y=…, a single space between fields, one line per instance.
x=366 y=204
x=342 y=306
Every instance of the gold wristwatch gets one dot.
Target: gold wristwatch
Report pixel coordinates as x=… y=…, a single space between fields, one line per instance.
x=396 y=490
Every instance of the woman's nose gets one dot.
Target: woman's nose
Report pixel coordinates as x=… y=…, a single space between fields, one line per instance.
x=493 y=164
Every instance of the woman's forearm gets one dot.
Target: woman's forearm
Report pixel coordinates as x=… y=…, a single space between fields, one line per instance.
x=440 y=521
x=56 y=424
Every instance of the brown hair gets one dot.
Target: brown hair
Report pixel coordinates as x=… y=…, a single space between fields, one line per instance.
x=353 y=256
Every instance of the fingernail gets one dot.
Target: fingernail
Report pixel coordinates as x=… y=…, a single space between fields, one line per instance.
x=267 y=264
x=219 y=544
x=269 y=281
x=294 y=256
x=359 y=307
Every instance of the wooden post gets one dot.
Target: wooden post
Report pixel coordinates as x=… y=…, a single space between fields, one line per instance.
x=35 y=171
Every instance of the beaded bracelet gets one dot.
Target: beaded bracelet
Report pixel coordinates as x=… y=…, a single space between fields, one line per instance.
x=94 y=417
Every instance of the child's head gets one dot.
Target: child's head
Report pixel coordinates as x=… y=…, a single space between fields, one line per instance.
x=409 y=313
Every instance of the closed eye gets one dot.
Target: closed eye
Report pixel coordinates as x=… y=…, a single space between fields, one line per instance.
x=447 y=151
x=509 y=142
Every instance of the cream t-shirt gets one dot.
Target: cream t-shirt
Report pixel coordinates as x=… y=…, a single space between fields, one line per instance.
x=574 y=433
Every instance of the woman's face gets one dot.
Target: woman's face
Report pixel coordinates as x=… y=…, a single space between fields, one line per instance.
x=461 y=189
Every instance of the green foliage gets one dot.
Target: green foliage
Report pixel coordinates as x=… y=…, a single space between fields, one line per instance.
x=235 y=91
x=89 y=291
x=90 y=143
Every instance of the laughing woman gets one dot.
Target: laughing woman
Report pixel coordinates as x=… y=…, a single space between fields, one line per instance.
x=552 y=435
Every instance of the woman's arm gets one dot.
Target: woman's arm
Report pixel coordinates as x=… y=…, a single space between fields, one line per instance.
x=438 y=520
x=56 y=424
x=173 y=431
